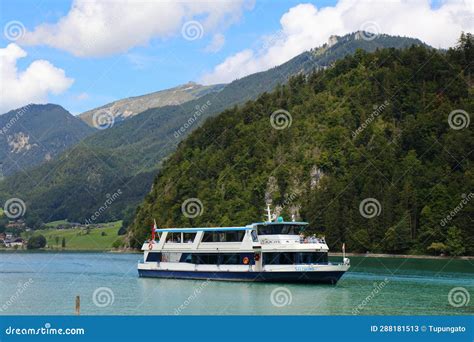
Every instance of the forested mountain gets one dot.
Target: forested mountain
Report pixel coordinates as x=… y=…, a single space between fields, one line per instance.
x=127 y=155
x=376 y=152
x=36 y=133
x=126 y=108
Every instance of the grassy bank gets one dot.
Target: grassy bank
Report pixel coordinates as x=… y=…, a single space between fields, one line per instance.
x=94 y=239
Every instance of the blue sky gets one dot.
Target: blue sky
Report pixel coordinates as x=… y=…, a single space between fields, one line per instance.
x=255 y=40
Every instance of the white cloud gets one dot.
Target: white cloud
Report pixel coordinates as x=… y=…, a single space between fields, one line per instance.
x=141 y=61
x=82 y=96
x=104 y=27
x=216 y=43
x=19 y=88
x=305 y=26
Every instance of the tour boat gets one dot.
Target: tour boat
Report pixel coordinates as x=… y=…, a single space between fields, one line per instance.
x=271 y=251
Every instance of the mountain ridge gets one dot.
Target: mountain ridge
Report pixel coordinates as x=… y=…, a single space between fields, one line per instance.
x=127 y=107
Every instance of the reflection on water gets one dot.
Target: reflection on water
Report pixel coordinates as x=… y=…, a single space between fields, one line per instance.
x=47 y=283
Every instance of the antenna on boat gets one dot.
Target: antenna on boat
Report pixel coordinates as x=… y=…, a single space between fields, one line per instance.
x=345 y=260
x=153 y=229
x=269 y=213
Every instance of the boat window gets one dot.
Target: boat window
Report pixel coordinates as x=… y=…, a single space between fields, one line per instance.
x=230 y=236
x=230 y=259
x=186 y=257
x=208 y=259
x=312 y=258
x=286 y=258
x=254 y=236
x=180 y=237
x=215 y=258
x=153 y=256
x=173 y=238
x=280 y=229
x=188 y=237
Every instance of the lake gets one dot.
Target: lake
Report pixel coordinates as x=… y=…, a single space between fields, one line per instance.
x=47 y=284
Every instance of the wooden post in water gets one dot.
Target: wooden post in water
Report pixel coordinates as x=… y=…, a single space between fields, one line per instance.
x=78 y=305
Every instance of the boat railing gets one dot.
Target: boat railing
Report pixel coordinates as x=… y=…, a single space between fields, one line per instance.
x=309 y=240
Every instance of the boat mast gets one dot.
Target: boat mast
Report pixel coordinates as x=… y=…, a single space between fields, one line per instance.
x=269 y=213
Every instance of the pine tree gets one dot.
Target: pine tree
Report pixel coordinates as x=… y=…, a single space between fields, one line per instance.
x=454 y=242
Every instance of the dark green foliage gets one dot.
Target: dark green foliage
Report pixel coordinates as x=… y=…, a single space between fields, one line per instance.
x=407 y=157
x=3 y=223
x=127 y=220
x=454 y=242
x=117 y=243
x=36 y=242
x=128 y=155
x=63 y=242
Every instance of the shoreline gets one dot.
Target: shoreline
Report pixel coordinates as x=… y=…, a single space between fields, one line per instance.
x=8 y=250
x=403 y=256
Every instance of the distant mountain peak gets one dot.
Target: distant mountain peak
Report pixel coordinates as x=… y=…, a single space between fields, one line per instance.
x=332 y=40
x=131 y=106
x=37 y=132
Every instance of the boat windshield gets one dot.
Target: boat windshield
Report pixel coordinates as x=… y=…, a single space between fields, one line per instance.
x=280 y=229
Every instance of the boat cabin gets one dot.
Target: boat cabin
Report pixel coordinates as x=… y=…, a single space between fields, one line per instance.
x=264 y=243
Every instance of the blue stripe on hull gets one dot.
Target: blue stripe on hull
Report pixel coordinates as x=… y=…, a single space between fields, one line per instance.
x=282 y=277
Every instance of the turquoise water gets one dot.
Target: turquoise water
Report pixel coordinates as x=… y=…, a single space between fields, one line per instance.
x=47 y=283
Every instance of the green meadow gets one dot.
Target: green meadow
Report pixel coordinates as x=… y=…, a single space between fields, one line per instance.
x=93 y=239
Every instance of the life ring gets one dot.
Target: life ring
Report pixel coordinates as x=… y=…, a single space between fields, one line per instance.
x=150 y=246
x=257 y=257
x=246 y=261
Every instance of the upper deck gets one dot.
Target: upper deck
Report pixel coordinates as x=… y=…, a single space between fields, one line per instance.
x=269 y=236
